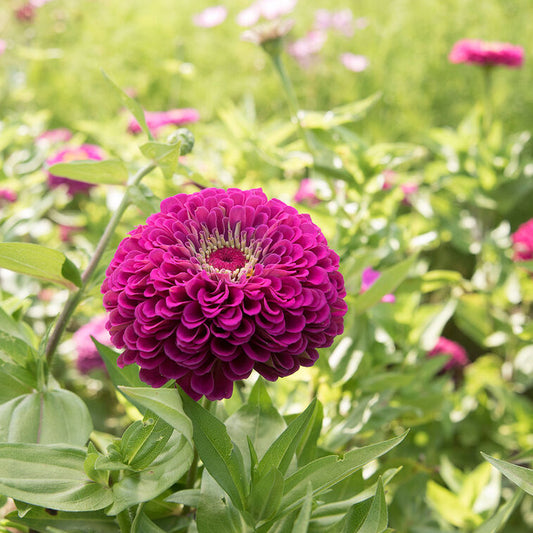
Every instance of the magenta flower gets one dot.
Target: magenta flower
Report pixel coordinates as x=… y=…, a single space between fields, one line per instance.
x=67 y=155
x=267 y=9
x=7 y=196
x=25 y=13
x=368 y=278
x=305 y=49
x=220 y=283
x=355 y=63
x=155 y=120
x=523 y=242
x=478 y=52
x=88 y=356
x=306 y=193
x=457 y=354
x=58 y=135
x=210 y=17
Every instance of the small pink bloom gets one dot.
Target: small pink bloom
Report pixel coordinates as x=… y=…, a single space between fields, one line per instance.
x=88 y=356
x=523 y=242
x=3 y=46
x=248 y=17
x=25 y=13
x=210 y=17
x=39 y=3
x=7 y=196
x=306 y=194
x=355 y=63
x=155 y=120
x=67 y=155
x=368 y=278
x=408 y=189
x=341 y=21
x=267 y=9
x=66 y=232
x=58 y=135
x=479 y=52
x=458 y=357
x=306 y=48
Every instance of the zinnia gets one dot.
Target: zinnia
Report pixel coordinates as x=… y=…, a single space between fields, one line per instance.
x=523 y=242
x=219 y=283
x=457 y=354
x=67 y=155
x=479 y=52
x=155 y=120
x=88 y=356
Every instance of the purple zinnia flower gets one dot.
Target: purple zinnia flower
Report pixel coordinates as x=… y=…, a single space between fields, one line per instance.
x=210 y=17
x=368 y=278
x=88 y=356
x=523 y=242
x=355 y=63
x=67 y=155
x=155 y=120
x=478 y=52
x=220 y=283
x=458 y=357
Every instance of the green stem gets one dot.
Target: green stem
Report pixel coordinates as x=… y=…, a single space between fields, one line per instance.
x=292 y=100
x=75 y=298
x=487 y=100
x=124 y=521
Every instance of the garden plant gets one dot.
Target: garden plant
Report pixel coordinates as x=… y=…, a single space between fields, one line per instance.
x=265 y=267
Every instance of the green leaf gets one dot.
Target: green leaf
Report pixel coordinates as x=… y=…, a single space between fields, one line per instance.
x=495 y=523
x=519 y=475
x=385 y=284
x=49 y=417
x=326 y=471
x=265 y=495
x=134 y=107
x=432 y=330
x=301 y=524
x=220 y=456
x=107 y=172
x=377 y=518
x=166 y=156
x=50 y=476
x=14 y=328
x=190 y=497
x=279 y=455
x=39 y=262
x=142 y=524
x=15 y=381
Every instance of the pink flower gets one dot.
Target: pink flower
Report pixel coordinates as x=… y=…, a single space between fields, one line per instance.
x=341 y=21
x=66 y=232
x=408 y=189
x=88 y=356
x=210 y=17
x=25 y=13
x=457 y=354
x=487 y=53
x=220 y=283
x=523 y=242
x=306 y=193
x=155 y=120
x=7 y=196
x=368 y=278
x=3 y=46
x=355 y=63
x=304 y=49
x=267 y=9
x=58 y=135
x=67 y=155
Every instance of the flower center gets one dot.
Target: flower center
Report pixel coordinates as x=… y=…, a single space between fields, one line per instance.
x=227 y=258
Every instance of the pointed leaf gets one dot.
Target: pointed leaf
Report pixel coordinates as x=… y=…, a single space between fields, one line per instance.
x=108 y=172
x=521 y=476
x=265 y=495
x=301 y=524
x=496 y=522
x=377 y=518
x=142 y=524
x=39 y=262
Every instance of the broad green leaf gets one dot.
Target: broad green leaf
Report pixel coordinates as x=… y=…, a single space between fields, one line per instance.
x=49 y=417
x=50 y=476
x=168 y=467
x=496 y=522
x=134 y=107
x=521 y=476
x=39 y=262
x=265 y=495
x=301 y=524
x=14 y=328
x=377 y=518
x=142 y=524
x=219 y=454
x=306 y=450
x=81 y=522
x=144 y=198
x=385 y=284
x=166 y=156
x=279 y=455
x=326 y=471
x=107 y=172
x=355 y=517
x=190 y=497
x=15 y=381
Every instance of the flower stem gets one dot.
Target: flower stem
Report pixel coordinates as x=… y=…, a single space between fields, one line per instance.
x=124 y=521
x=75 y=298
x=487 y=100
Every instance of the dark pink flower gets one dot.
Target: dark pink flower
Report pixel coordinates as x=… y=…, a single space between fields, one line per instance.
x=7 y=196
x=155 y=120
x=67 y=155
x=220 y=283
x=58 y=135
x=25 y=13
x=210 y=17
x=355 y=63
x=305 y=49
x=523 y=242
x=88 y=356
x=306 y=193
x=458 y=357
x=479 y=52
x=368 y=278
